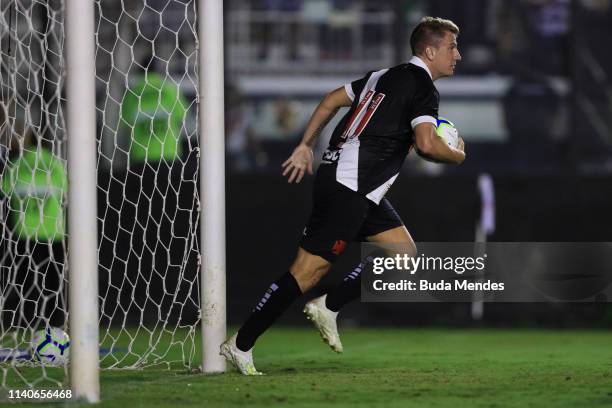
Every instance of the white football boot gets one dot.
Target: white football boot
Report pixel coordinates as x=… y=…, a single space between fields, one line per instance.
x=325 y=321
x=242 y=360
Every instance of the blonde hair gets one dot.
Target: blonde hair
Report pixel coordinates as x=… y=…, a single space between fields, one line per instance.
x=429 y=32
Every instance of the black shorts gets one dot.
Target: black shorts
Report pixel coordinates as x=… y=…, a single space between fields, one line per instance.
x=340 y=215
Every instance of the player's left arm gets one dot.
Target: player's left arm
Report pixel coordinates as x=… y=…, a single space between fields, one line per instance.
x=302 y=157
x=422 y=116
x=432 y=147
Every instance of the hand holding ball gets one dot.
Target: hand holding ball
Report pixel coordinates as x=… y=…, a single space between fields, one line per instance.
x=447 y=131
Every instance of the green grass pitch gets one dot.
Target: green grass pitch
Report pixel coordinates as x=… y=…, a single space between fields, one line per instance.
x=391 y=368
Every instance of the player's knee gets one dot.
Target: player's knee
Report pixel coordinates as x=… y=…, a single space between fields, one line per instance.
x=408 y=248
x=411 y=249
x=308 y=274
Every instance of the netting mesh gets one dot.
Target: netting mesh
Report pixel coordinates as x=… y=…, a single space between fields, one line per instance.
x=146 y=97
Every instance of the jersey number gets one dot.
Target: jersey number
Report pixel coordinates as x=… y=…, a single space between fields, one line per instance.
x=362 y=115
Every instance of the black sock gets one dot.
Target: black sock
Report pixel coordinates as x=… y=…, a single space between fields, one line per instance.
x=279 y=296
x=348 y=290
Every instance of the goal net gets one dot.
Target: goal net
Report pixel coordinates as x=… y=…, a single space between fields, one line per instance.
x=147 y=175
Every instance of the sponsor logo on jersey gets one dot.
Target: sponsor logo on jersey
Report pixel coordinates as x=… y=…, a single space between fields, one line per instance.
x=331 y=156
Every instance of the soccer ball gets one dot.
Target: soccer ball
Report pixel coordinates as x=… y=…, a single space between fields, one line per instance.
x=447 y=131
x=51 y=346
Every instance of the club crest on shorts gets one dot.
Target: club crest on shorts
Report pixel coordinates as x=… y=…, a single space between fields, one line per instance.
x=338 y=247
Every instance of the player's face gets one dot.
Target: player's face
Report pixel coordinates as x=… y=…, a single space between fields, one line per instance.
x=447 y=55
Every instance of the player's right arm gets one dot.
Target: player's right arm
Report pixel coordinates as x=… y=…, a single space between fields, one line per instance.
x=301 y=159
x=431 y=146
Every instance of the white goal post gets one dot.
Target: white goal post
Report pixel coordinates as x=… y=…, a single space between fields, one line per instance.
x=82 y=219
x=212 y=182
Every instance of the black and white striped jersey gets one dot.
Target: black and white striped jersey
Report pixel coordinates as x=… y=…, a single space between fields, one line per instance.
x=371 y=141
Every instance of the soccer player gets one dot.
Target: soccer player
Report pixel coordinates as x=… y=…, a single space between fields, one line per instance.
x=391 y=111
